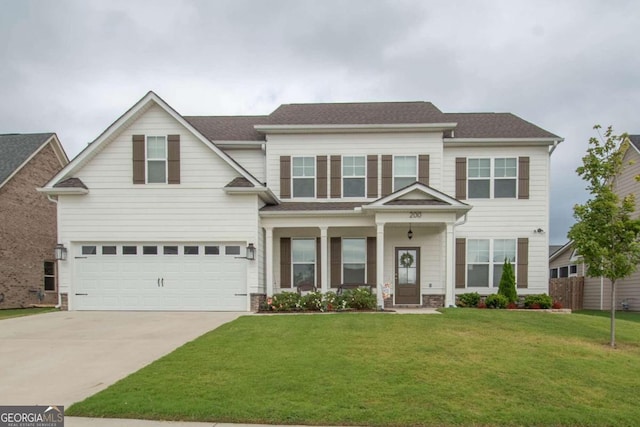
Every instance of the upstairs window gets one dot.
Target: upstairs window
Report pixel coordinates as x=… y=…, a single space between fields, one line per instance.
x=303 y=176
x=492 y=178
x=505 y=174
x=156 y=159
x=405 y=171
x=353 y=176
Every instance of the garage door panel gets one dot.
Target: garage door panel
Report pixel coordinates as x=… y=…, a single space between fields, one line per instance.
x=159 y=282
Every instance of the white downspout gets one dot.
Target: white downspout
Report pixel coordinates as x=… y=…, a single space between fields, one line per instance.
x=57 y=306
x=455 y=224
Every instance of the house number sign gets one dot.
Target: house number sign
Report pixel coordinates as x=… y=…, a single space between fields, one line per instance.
x=415 y=214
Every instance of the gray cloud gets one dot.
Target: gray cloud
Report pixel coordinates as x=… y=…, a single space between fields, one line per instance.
x=73 y=66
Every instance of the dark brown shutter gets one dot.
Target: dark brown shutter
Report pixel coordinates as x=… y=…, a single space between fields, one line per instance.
x=523 y=177
x=318 y=263
x=387 y=174
x=371 y=261
x=173 y=156
x=522 y=277
x=461 y=178
x=138 y=159
x=423 y=169
x=336 y=262
x=321 y=177
x=461 y=262
x=285 y=262
x=285 y=177
x=336 y=177
x=372 y=176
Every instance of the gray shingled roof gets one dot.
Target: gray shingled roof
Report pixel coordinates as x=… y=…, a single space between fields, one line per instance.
x=313 y=206
x=71 y=183
x=495 y=125
x=16 y=148
x=240 y=182
x=230 y=128
x=470 y=125
x=357 y=113
x=635 y=140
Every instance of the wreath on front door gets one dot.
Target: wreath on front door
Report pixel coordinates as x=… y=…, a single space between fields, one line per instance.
x=406 y=260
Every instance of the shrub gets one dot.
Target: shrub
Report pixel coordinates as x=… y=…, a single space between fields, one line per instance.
x=286 y=301
x=312 y=301
x=481 y=304
x=508 y=282
x=556 y=305
x=470 y=299
x=538 y=301
x=360 y=299
x=512 y=306
x=496 y=301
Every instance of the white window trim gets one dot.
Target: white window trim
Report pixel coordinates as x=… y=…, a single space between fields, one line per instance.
x=491 y=263
x=315 y=262
x=315 y=177
x=342 y=257
x=394 y=176
x=492 y=178
x=364 y=195
x=166 y=159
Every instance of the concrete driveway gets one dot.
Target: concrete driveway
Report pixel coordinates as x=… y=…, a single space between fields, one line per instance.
x=63 y=357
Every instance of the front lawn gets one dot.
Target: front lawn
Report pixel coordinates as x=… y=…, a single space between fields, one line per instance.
x=19 y=312
x=465 y=367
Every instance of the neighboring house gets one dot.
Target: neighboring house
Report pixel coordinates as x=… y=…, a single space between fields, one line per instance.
x=566 y=262
x=27 y=219
x=165 y=212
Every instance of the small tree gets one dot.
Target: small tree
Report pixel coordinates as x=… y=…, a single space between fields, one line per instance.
x=508 y=282
x=604 y=235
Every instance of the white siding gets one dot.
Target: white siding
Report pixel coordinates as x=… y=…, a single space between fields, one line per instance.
x=354 y=144
x=252 y=160
x=196 y=210
x=510 y=218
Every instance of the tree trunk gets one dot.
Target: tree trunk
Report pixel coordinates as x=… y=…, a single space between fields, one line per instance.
x=613 y=313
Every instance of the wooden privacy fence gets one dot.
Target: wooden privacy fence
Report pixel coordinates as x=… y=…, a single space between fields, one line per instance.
x=569 y=291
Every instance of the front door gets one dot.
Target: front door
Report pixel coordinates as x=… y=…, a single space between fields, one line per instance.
x=407 y=276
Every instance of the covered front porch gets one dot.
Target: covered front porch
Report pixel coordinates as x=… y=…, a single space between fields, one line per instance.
x=402 y=246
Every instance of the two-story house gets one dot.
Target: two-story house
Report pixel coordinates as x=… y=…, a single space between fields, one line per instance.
x=28 y=219
x=164 y=211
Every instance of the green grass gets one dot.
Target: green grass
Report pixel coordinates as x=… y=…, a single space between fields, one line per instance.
x=19 y=312
x=632 y=316
x=465 y=367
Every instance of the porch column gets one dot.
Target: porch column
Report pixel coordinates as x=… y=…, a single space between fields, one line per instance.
x=268 y=247
x=380 y=263
x=324 y=260
x=449 y=296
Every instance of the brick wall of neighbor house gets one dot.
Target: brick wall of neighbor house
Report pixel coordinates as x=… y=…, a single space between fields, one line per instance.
x=27 y=233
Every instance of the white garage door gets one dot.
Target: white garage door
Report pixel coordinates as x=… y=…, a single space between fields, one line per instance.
x=160 y=276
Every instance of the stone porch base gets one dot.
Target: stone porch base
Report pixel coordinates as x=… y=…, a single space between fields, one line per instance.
x=428 y=301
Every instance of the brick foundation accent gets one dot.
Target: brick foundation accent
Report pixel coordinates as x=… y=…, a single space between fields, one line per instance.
x=433 y=301
x=64 y=302
x=388 y=302
x=256 y=300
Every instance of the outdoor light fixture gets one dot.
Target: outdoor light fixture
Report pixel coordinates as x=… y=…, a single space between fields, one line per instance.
x=251 y=252
x=539 y=231
x=410 y=233
x=60 y=252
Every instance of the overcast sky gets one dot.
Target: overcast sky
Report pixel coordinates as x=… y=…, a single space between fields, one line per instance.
x=73 y=67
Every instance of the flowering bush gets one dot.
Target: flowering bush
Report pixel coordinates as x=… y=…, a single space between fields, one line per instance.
x=556 y=305
x=538 y=301
x=357 y=299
